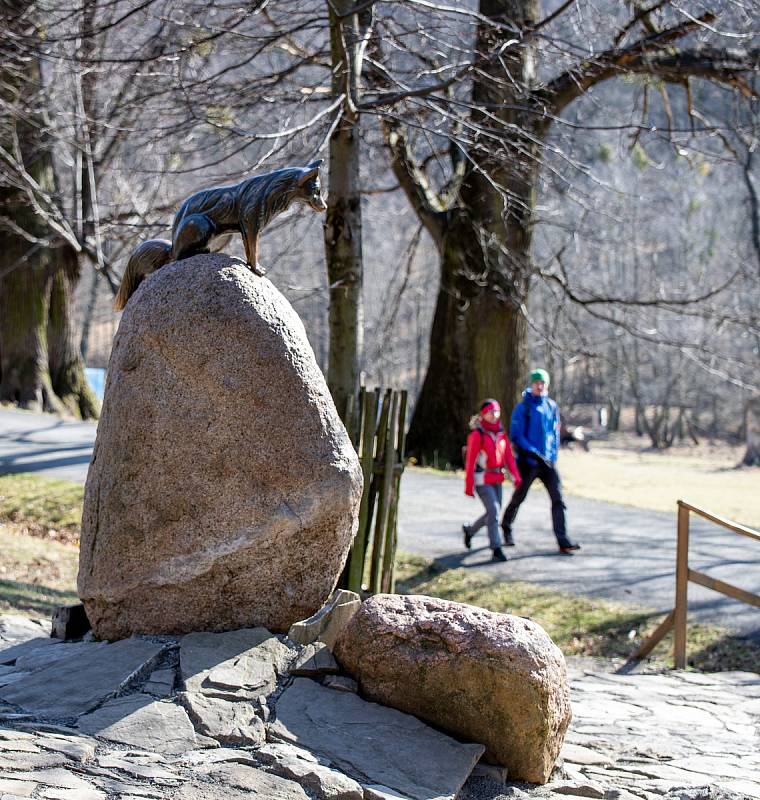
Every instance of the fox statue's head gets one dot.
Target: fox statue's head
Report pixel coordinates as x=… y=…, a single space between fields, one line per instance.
x=310 y=187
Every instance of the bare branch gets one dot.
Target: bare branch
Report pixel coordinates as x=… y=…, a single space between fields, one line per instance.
x=638 y=302
x=551 y=17
x=414 y=182
x=655 y=55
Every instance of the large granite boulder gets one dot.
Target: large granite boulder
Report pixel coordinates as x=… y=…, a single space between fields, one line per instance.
x=223 y=490
x=484 y=677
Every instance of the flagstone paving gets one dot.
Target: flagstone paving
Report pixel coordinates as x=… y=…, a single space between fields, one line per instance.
x=678 y=735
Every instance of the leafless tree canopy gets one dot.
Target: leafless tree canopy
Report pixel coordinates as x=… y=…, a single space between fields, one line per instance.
x=566 y=182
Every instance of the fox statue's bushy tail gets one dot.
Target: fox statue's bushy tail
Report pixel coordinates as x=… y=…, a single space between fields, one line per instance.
x=146 y=258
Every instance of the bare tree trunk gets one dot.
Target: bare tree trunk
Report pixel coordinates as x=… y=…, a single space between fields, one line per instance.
x=478 y=344
x=752 y=426
x=89 y=313
x=37 y=270
x=24 y=306
x=754 y=204
x=40 y=365
x=637 y=426
x=418 y=345
x=64 y=358
x=343 y=225
x=473 y=355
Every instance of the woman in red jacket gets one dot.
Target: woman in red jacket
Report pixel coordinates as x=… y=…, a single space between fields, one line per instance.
x=489 y=456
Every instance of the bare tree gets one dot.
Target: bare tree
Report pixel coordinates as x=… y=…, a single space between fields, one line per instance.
x=40 y=365
x=349 y=34
x=95 y=113
x=482 y=214
x=483 y=107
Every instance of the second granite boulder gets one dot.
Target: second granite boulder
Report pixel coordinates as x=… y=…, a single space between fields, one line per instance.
x=484 y=677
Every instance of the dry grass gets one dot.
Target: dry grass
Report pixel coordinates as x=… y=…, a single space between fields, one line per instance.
x=39 y=535
x=622 y=470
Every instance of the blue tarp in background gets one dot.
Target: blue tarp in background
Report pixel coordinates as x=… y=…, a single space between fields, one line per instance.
x=97 y=380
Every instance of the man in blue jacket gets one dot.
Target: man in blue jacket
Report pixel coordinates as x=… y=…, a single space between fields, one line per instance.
x=534 y=431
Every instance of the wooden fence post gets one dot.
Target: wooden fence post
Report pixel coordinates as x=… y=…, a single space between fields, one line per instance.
x=676 y=619
x=682 y=585
x=367 y=443
x=389 y=561
x=377 y=432
x=386 y=491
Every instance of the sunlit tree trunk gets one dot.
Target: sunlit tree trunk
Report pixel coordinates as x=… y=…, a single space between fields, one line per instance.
x=752 y=425
x=39 y=362
x=343 y=224
x=24 y=307
x=477 y=346
x=64 y=357
x=478 y=343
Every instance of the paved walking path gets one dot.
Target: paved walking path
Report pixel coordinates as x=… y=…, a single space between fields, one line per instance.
x=628 y=554
x=45 y=443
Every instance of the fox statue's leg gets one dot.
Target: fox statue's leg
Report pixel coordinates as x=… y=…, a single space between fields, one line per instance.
x=192 y=236
x=251 y=246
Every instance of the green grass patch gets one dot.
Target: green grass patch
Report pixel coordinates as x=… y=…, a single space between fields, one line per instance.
x=41 y=502
x=578 y=625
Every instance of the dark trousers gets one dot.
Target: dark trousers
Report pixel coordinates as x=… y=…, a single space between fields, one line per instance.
x=549 y=476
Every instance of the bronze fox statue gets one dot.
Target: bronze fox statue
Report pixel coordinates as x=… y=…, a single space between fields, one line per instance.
x=247 y=207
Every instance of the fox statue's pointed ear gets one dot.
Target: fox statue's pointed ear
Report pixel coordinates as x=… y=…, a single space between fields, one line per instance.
x=312 y=170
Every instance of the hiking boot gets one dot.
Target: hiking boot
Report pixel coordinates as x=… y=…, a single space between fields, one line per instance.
x=498 y=555
x=467 y=537
x=568 y=548
x=507 y=534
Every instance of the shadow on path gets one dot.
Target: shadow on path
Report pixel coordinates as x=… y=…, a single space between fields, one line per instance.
x=12 y=465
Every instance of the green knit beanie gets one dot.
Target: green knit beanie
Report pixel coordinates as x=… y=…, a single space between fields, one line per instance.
x=539 y=375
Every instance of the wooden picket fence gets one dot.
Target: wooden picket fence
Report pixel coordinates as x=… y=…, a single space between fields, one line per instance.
x=376 y=423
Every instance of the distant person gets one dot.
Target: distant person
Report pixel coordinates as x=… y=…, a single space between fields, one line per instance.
x=488 y=456
x=534 y=430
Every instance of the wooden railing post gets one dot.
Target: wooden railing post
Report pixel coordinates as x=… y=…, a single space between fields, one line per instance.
x=682 y=584
x=676 y=619
x=378 y=434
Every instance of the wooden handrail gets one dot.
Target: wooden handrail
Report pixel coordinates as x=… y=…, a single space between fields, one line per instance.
x=722 y=521
x=676 y=619
x=724 y=588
